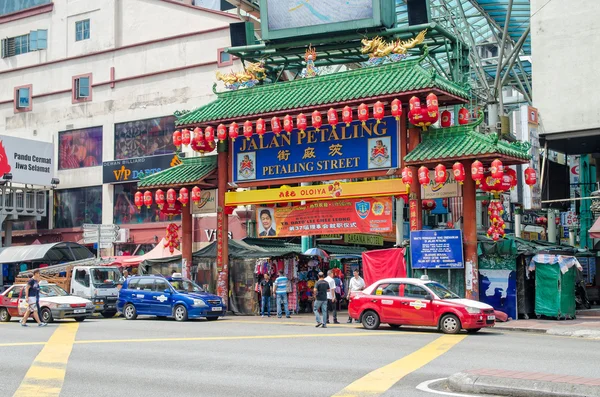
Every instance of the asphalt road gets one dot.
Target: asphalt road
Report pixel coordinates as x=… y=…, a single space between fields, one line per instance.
x=250 y=356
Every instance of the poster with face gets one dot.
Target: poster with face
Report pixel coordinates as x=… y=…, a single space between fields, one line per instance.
x=266 y=222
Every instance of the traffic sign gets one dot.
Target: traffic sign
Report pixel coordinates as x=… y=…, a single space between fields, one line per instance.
x=91 y=226
x=103 y=233
x=94 y=240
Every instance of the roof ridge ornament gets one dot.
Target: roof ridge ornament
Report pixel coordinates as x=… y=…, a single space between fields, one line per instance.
x=382 y=52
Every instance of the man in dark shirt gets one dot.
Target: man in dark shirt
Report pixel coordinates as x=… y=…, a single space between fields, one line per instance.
x=32 y=297
x=321 y=290
x=266 y=286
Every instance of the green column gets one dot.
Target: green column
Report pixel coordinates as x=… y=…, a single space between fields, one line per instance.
x=585 y=215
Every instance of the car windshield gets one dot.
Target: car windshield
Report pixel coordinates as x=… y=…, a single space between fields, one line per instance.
x=105 y=277
x=184 y=285
x=441 y=291
x=48 y=291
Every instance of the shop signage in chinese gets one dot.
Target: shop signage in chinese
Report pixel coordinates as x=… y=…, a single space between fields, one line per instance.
x=29 y=162
x=436 y=249
x=441 y=190
x=363 y=239
x=369 y=215
x=131 y=170
x=331 y=191
x=207 y=203
x=356 y=148
x=220 y=264
x=413 y=209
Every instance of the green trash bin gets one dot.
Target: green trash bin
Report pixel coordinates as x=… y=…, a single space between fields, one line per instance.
x=554 y=291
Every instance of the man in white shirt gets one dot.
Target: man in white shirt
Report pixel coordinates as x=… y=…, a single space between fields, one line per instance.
x=331 y=297
x=356 y=284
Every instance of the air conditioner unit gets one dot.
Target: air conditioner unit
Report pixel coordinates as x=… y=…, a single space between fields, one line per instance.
x=122 y=236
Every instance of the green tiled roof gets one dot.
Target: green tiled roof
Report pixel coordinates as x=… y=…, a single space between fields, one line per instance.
x=283 y=247
x=190 y=171
x=395 y=79
x=449 y=144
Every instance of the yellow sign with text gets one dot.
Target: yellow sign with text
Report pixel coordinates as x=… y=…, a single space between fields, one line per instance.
x=332 y=191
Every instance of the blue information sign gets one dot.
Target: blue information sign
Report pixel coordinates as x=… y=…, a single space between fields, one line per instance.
x=436 y=249
x=347 y=149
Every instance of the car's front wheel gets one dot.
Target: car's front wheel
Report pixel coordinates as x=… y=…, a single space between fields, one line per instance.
x=4 y=315
x=129 y=312
x=181 y=313
x=370 y=320
x=46 y=315
x=450 y=324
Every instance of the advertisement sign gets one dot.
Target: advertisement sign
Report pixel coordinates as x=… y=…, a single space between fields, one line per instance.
x=122 y=171
x=207 y=203
x=30 y=162
x=574 y=188
x=532 y=198
x=438 y=190
x=436 y=249
x=363 y=239
x=331 y=191
x=498 y=288
x=356 y=148
x=413 y=208
x=372 y=215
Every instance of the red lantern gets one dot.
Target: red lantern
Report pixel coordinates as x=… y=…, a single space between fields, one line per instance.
x=233 y=131
x=347 y=115
x=407 y=177
x=378 y=111
x=477 y=171
x=423 y=176
x=276 y=125
x=198 y=135
x=432 y=105
x=247 y=129
x=171 y=196
x=261 y=127
x=530 y=176
x=557 y=221
x=463 y=116
x=450 y=225
x=148 y=198
x=363 y=113
x=440 y=174
x=288 y=124
x=184 y=197
x=332 y=118
x=445 y=203
x=396 y=109
x=428 y=205
x=159 y=197
x=196 y=194
x=459 y=172
x=209 y=134
x=221 y=133
x=177 y=139
x=446 y=119
x=301 y=122
x=139 y=200
x=497 y=169
x=229 y=209
x=186 y=137
x=317 y=120
x=513 y=175
x=485 y=203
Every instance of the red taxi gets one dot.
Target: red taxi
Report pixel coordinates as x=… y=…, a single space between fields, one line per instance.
x=418 y=302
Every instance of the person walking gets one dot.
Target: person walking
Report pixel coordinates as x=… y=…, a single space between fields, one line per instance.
x=281 y=291
x=331 y=306
x=321 y=290
x=265 y=292
x=356 y=284
x=32 y=297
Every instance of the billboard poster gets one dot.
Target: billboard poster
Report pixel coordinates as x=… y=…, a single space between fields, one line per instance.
x=436 y=249
x=498 y=288
x=532 y=198
x=130 y=170
x=372 y=215
x=28 y=161
x=312 y=153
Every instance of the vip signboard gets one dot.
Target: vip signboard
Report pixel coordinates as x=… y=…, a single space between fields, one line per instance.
x=28 y=161
x=131 y=170
x=345 y=150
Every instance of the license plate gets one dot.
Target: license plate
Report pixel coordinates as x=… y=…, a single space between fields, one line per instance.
x=217 y=309
x=491 y=317
x=79 y=311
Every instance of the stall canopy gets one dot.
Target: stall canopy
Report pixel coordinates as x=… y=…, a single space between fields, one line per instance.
x=45 y=253
x=159 y=252
x=237 y=249
x=595 y=229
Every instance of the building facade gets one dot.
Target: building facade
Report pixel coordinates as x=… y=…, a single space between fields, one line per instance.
x=101 y=80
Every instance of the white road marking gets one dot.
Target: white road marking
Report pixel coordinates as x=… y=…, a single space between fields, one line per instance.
x=425 y=387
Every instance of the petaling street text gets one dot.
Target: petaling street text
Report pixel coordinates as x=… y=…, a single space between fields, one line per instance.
x=310 y=166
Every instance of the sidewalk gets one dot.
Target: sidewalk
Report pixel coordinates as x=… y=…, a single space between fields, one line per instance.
x=587 y=325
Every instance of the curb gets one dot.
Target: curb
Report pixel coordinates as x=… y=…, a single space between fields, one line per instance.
x=465 y=382
x=517 y=329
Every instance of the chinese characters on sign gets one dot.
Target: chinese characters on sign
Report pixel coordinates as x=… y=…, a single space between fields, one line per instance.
x=413 y=212
x=372 y=215
x=436 y=249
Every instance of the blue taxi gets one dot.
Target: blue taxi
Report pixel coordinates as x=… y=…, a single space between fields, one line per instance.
x=167 y=297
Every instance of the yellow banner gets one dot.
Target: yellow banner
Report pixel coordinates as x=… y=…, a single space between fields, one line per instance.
x=332 y=191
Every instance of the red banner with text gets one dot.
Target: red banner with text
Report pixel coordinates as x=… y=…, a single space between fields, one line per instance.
x=369 y=215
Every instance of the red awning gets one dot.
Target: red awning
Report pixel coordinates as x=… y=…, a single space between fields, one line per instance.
x=595 y=230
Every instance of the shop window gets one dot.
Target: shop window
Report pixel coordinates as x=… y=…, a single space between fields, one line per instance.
x=144 y=138
x=23 y=98
x=223 y=58
x=74 y=207
x=125 y=211
x=80 y=148
x=82 y=30
x=82 y=88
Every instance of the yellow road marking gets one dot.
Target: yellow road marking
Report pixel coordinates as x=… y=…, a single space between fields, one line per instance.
x=47 y=373
x=382 y=379
x=22 y=344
